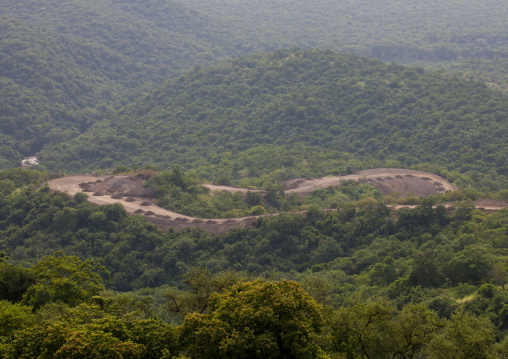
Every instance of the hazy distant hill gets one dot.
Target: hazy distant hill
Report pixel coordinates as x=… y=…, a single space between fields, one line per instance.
x=404 y=31
x=159 y=38
x=429 y=33
x=64 y=63
x=313 y=98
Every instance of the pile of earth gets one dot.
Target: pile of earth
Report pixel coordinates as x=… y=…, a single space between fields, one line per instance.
x=387 y=180
x=407 y=185
x=122 y=185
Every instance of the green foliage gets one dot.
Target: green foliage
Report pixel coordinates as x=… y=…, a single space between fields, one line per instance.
x=181 y=193
x=426 y=32
x=356 y=330
x=470 y=265
x=201 y=284
x=18 y=177
x=90 y=331
x=374 y=329
x=14 y=281
x=13 y=317
x=429 y=263
x=67 y=65
x=465 y=336
x=64 y=279
x=256 y=320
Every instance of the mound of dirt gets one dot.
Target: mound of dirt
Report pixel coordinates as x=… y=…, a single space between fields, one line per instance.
x=408 y=186
x=125 y=185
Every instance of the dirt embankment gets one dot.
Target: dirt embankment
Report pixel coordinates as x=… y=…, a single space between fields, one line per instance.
x=136 y=199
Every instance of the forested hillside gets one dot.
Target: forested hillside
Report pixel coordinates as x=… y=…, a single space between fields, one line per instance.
x=74 y=63
x=139 y=86
x=49 y=93
x=109 y=52
x=304 y=103
x=431 y=33
x=65 y=65
x=372 y=282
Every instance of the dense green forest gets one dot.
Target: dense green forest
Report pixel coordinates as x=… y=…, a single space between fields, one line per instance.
x=423 y=270
x=48 y=95
x=251 y=94
x=294 y=105
x=67 y=65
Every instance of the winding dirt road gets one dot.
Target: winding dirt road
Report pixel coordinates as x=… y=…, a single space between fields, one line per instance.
x=386 y=179
x=161 y=217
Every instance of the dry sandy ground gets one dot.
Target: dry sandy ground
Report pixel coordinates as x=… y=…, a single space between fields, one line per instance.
x=386 y=179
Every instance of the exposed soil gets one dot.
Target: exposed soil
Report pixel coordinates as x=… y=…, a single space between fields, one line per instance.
x=387 y=180
x=129 y=191
x=124 y=185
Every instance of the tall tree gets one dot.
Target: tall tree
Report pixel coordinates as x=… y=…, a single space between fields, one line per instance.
x=258 y=319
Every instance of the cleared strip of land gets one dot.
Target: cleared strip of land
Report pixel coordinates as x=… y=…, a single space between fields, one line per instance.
x=386 y=179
